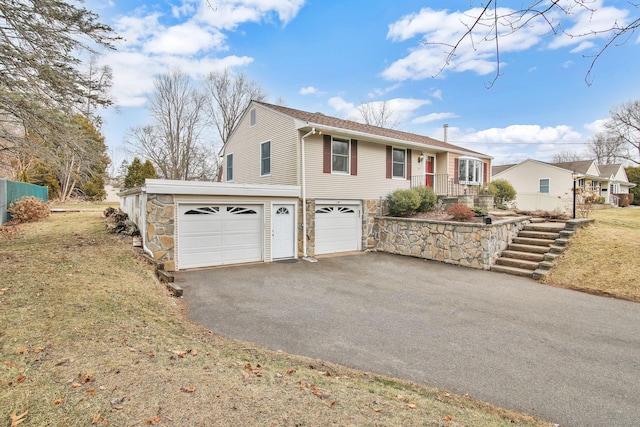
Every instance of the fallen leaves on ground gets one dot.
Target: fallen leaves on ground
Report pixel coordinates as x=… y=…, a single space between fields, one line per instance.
x=17 y=418
x=154 y=420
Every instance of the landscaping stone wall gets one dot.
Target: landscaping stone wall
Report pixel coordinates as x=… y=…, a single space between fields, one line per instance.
x=466 y=244
x=159 y=237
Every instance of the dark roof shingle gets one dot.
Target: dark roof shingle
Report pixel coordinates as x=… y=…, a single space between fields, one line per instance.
x=334 y=122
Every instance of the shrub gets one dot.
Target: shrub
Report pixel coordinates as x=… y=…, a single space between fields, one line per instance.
x=403 y=202
x=502 y=190
x=477 y=211
x=28 y=209
x=460 y=212
x=428 y=198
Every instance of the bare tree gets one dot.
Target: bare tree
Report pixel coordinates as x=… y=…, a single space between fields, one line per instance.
x=566 y=156
x=494 y=22
x=606 y=148
x=228 y=98
x=624 y=127
x=379 y=114
x=173 y=141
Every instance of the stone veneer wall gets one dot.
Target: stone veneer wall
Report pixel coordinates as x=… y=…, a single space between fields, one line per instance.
x=466 y=244
x=159 y=237
x=311 y=228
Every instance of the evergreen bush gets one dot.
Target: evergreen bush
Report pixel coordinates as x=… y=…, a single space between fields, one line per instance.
x=403 y=202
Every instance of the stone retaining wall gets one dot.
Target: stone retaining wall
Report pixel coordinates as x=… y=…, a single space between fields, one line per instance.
x=466 y=244
x=159 y=238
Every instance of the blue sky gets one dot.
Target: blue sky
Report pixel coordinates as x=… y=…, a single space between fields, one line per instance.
x=332 y=56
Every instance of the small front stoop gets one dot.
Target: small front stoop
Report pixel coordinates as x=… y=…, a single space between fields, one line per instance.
x=532 y=252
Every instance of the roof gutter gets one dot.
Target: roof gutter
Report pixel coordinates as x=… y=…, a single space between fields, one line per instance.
x=301 y=125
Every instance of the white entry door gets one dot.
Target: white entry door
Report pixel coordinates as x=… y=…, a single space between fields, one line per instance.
x=283 y=233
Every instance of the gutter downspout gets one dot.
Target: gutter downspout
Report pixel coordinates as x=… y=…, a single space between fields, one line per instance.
x=304 y=198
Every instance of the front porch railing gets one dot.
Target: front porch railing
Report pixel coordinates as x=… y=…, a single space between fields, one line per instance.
x=444 y=186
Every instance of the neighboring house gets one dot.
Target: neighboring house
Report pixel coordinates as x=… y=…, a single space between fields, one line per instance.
x=343 y=169
x=549 y=186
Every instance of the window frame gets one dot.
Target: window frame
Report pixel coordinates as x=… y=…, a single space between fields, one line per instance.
x=548 y=186
x=393 y=163
x=347 y=157
x=229 y=172
x=473 y=171
x=262 y=159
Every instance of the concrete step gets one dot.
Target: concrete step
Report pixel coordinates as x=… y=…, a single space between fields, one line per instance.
x=528 y=248
x=546 y=226
x=533 y=241
x=538 y=234
x=519 y=263
x=512 y=270
x=529 y=256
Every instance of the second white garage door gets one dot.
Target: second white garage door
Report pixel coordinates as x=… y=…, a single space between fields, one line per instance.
x=210 y=235
x=338 y=228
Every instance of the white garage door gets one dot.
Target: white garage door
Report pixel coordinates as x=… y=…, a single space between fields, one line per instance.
x=211 y=235
x=338 y=228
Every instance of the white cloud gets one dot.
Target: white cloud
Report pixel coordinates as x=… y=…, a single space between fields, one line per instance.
x=310 y=90
x=228 y=14
x=134 y=72
x=588 y=22
x=437 y=94
x=383 y=91
x=525 y=134
x=433 y=117
x=342 y=107
x=516 y=143
x=596 y=126
x=438 y=30
x=400 y=109
x=187 y=38
x=172 y=40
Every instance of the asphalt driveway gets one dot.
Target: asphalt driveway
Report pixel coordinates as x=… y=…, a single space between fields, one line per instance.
x=568 y=357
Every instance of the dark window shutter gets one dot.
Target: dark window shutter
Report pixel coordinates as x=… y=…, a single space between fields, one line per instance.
x=326 y=154
x=408 y=160
x=456 y=170
x=389 y=163
x=354 y=157
x=485 y=166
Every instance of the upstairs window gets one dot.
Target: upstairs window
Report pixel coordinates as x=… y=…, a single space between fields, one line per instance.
x=229 y=167
x=252 y=117
x=399 y=157
x=340 y=155
x=544 y=185
x=470 y=171
x=265 y=158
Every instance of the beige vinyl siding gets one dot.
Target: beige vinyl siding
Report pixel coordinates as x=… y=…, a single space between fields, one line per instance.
x=245 y=146
x=265 y=202
x=442 y=166
x=525 y=178
x=370 y=183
